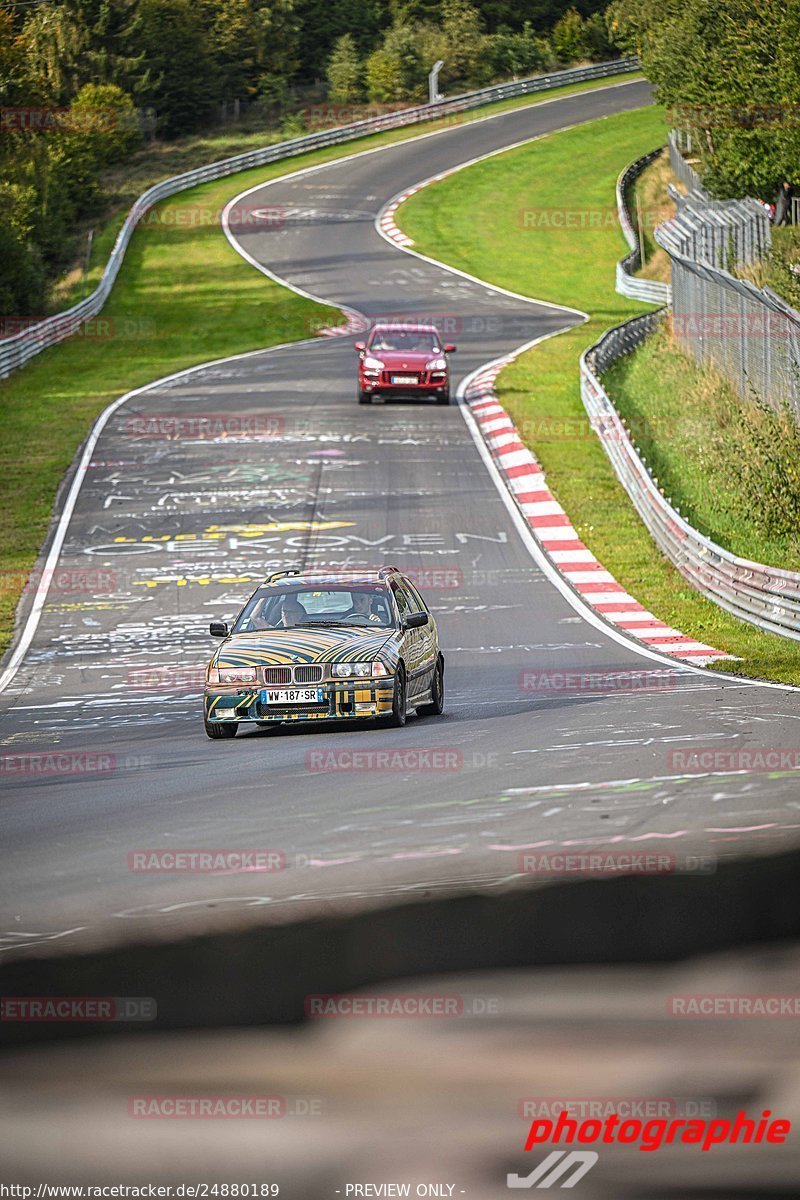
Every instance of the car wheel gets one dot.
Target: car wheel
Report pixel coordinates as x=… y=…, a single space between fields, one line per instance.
x=436 y=706
x=364 y=397
x=216 y=729
x=445 y=399
x=399 y=700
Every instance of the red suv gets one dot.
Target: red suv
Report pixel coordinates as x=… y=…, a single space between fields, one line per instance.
x=403 y=359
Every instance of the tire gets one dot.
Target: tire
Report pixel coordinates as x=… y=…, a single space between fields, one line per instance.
x=436 y=706
x=364 y=397
x=445 y=399
x=399 y=701
x=216 y=729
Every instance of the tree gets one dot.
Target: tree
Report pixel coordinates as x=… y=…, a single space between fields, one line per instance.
x=568 y=37
x=22 y=280
x=182 y=81
x=728 y=72
x=383 y=77
x=464 y=45
x=236 y=37
x=344 y=72
x=53 y=38
x=397 y=71
x=111 y=52
x=282 y=27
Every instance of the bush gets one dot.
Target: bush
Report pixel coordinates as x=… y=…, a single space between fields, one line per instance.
x=518 y=54
x=768 y=464
x=104 y=116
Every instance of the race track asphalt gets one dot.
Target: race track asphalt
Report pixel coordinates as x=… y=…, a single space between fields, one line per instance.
x=169 y=532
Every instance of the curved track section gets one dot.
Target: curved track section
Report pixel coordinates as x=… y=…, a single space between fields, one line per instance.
x=103 y=750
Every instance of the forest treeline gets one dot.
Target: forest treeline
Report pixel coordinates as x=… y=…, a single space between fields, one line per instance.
x=82 y=82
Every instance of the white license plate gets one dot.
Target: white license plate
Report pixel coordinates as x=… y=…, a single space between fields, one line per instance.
x=405 y=379
x=308 y=695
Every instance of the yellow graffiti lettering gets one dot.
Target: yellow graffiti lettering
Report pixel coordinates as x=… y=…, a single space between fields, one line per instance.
x=201 y=580
x=278 y=527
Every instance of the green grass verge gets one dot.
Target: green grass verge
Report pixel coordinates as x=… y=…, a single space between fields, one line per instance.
x=472 y=220
x=182 y=297
x=708 y=454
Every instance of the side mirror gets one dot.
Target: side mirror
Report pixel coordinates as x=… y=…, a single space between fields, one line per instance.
x=450 y=348
x=416 y=620
x=361 y=346
x=218 y=629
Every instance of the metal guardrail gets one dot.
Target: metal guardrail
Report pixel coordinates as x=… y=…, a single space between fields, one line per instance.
x=19 y=349
x=650 y=290
x=764 y=596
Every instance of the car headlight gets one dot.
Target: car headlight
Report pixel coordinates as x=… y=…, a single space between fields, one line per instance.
x=436 y=364
x=373 y=364
x=345 y=670
x=237 y=675
x=355 y=670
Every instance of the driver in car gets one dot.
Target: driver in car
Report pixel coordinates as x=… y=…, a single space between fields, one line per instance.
x=292 y=612
x=362 y=607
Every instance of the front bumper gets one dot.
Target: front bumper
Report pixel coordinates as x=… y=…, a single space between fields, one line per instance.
x=431 y=384
x=341 y=699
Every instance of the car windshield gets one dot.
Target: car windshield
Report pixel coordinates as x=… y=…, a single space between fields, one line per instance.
x=412 y=341
x=290 y=607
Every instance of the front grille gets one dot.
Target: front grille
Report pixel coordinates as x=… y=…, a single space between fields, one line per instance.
x=277 y=674
x=417 y=376
x=283 y=675
x=308 y=674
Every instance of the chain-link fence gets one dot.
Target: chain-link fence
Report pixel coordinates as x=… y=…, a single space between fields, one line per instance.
x=749 y=333
x=680 y=144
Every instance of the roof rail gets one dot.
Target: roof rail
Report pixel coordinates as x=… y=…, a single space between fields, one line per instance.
x=281 y=574
x=388 y=570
